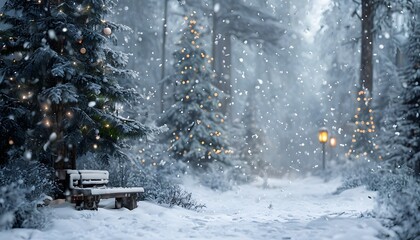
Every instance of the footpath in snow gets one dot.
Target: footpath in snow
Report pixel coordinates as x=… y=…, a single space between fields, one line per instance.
x=288 y=209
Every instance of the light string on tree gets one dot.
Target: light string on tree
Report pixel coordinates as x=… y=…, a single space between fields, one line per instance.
x=362 y=125
x=192 y=63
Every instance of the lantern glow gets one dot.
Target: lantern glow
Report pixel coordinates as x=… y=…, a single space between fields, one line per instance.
x=333 y=141
x=323 y=135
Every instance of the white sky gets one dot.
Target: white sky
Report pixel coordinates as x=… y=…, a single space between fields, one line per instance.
x=313 y=18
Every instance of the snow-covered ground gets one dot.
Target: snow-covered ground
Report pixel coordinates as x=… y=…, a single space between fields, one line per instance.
x=288 y=209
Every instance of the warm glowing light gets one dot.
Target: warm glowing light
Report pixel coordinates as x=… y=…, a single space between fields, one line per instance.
x=107 y=31
x=11 y=142
x=47 y=123
x=323 y=135
x=95 y=146
x=45 y=107
x=333 y=141
x=83 y=50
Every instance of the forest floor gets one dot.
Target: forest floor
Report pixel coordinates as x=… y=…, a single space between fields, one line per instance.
x=287 y=209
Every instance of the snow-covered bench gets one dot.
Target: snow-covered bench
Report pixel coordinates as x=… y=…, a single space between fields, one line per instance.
x=87 y=187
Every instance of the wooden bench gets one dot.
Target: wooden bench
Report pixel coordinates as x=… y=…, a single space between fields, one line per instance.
x=87 y=187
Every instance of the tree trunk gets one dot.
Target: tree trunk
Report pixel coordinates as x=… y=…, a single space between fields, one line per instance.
x=222 y=60
x=366 y=64
x=163 y=61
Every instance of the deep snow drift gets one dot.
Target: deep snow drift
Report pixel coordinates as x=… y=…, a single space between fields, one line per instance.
x=288 y=209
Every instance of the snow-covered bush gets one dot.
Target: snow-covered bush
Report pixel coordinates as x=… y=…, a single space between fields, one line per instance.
x=24 y=186
x=18 y=211
x=11 y=196
x=399 y=207
x=160 y=189
x=215 y=178
x=398 y=202
x=365 y=173
x=31 y=174
x=240 y=174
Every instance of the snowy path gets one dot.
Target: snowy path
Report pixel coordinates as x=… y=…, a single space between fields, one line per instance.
x=299 y=209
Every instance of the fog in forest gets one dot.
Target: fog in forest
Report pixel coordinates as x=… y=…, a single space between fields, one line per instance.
x=277 y=68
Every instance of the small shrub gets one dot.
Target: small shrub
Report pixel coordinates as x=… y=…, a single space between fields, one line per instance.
x=32 y=175
x=398 y=201
x=364 y=172
x=399 y=207
x=161 y=190
x=17 y=211
x=24 y=185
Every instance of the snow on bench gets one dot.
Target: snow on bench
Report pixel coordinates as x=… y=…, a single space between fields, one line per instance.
x=88 y=187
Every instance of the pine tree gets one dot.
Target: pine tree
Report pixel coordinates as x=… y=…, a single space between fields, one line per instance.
x=195 y=121
x=60 y=82
x=402 y=136
x=363 y=142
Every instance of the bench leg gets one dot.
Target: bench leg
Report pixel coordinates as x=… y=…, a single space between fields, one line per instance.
x=91 y=202
x=118 y=203
x=79 y=204
x=130 y=202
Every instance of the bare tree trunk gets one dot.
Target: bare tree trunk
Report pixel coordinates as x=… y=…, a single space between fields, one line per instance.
x=222 y=48
x=366 y=64
x=163 y=61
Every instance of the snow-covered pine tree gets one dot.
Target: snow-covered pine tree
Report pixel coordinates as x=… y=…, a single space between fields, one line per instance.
x=195 y=122
x=402 y=136
x=60 y=81
x=363 y=143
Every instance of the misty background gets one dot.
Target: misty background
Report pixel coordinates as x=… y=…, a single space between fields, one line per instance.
x=285 y=74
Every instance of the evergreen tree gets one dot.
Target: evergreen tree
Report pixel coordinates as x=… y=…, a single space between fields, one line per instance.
x=363 y=143
x=60 y=82
x=402 y=136
x=195 y=121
